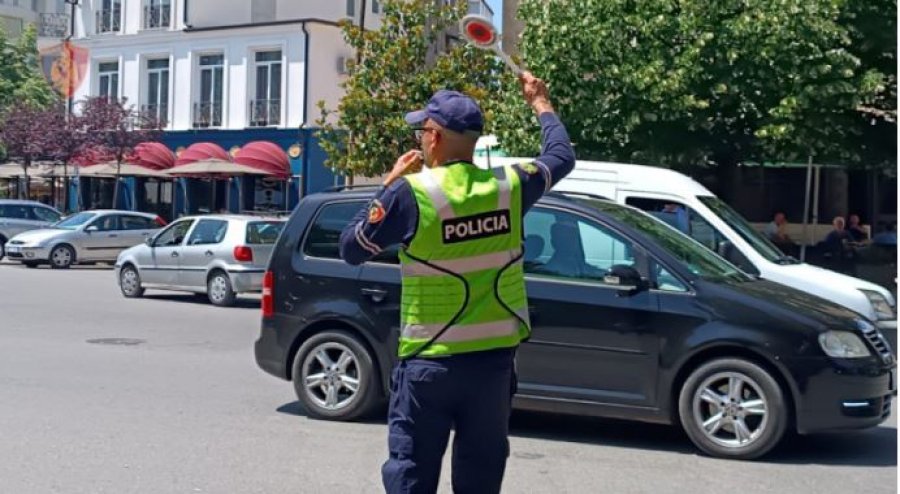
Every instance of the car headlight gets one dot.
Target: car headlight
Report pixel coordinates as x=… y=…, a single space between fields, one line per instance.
x=882 y=307
x=842 y=344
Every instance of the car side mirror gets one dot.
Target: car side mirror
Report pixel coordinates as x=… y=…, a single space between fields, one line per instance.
x=149 y=241
x=92 y=229
x=627 y=279
x=724 y=249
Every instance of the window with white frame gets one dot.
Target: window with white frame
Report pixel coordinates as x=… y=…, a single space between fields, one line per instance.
x=157 y=100
x=109 y=16
x=108 y=80
x=351 y=8
x=265 y=107
x=376 y=7
x=157 y=14
x=208 y=107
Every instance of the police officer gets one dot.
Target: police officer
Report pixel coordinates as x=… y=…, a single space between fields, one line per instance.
x=463 y=309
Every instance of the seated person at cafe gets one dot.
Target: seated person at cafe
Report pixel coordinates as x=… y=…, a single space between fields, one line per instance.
x=855 y=229
x=777 y=233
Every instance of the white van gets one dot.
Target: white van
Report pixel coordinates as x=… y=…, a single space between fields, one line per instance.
x=719 y=227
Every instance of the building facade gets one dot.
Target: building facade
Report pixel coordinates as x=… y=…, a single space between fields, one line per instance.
x=226 y=72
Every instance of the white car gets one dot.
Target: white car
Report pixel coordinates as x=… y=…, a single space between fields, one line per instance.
x=219 y=255
x=86 y=237
x=719 y=227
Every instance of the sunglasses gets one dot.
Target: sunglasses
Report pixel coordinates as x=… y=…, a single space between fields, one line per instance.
x=420 y=132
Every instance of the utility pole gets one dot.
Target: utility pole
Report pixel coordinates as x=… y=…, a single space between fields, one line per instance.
x=70 y=97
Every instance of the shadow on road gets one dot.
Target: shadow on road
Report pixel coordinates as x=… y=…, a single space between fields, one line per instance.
x=870 y=448
x=201 y=299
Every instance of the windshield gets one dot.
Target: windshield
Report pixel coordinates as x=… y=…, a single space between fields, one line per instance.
x=692 y=255
x=737 y=223
x=74 y=221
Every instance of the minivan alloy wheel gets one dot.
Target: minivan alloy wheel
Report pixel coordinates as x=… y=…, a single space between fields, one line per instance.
x=731 y=409
x=331 y=375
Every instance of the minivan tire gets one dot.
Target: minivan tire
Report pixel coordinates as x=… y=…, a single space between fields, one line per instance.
x=62 y=257
x=309 y=365
x=135 y=291
x=735 y=397
x=219 y=289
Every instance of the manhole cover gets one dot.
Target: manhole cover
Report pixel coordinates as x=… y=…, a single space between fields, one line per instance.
x=117 y=341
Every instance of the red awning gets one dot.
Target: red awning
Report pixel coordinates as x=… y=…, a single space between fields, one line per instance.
x=266 y=156
x=202 y=151
x=153 y=155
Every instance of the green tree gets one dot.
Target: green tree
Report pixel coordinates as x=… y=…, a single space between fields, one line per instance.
x=21 y=77
x=694 y=82
x=391 y=77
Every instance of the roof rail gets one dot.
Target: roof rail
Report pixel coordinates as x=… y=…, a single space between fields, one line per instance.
x=338 y=188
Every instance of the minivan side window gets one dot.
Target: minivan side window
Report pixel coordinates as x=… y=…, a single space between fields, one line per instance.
x=563 y=245
x=691 y=223
x=324 y=236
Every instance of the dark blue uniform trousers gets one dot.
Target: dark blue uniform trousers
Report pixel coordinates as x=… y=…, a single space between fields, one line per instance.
x=471 y=393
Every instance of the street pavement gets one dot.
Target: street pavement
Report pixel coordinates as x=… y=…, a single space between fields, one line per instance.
x=100 y=394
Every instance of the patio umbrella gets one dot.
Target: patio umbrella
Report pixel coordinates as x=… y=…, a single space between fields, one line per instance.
x=125 y=170
x=213 y=169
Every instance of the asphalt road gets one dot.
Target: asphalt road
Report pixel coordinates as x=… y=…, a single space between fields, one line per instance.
x=182 y=408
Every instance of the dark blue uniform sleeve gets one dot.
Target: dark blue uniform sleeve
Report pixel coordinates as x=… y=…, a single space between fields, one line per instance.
x=557 y=160
x=391 y=218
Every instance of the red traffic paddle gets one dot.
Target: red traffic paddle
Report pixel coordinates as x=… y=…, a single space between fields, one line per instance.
x=481 y=33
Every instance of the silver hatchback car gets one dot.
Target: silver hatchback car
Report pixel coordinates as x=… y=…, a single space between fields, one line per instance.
x=86 y=237
x=18 y=216
x=219 y=255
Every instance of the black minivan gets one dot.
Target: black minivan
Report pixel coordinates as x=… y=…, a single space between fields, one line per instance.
x=631 y=320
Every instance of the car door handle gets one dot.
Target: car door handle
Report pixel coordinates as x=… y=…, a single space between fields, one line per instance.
x=113 y=235
x=174 y=254
x=208 y=253
x=376 y=294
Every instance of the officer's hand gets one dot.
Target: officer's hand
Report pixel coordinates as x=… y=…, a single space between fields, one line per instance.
x=409 y=162
x=535 y=92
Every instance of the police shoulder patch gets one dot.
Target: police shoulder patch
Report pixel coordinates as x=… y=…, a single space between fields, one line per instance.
x=529 y=168
x=376 y=212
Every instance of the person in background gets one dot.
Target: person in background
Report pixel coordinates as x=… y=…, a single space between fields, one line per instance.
x=777 y=229
x=681 y=216
x=855 y=230
x=838 y=235
x=886 y=237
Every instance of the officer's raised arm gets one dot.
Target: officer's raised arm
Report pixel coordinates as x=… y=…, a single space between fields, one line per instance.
x=557 y=159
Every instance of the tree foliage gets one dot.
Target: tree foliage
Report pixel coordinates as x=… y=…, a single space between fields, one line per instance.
x=392 y=78
x=21 y=77
x=696 y=82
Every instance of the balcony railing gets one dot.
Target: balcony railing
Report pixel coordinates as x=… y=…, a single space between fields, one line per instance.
x=157 y=17
x=265 y=112
x=109 y=21
x=208 y=114
x=154 y=116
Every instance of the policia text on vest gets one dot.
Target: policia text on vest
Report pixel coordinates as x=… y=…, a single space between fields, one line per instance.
x=477 y=226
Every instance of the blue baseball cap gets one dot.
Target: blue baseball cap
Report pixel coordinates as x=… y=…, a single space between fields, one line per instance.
x=452 y=110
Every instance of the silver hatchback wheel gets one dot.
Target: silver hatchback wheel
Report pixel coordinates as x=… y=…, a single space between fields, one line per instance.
x=62 y=257
x=331 y=376
x=731 y=409
x=219 y=290
x=130 y=282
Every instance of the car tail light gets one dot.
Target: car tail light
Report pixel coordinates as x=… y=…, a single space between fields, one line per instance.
x=159 y=221
x=242 y=253
x=268 y=304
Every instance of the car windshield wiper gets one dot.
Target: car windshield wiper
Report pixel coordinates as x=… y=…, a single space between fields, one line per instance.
x=786 y=260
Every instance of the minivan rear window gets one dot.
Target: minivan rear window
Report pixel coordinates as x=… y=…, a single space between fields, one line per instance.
x=263 y=232
x=323 y=239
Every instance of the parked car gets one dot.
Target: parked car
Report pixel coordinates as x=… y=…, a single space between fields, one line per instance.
x=20 y=216
x=83 y=238
x=219 y=255
x=720 y=228
x=631 y=320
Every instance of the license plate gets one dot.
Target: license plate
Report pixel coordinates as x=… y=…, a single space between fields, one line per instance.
x=13 y=250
